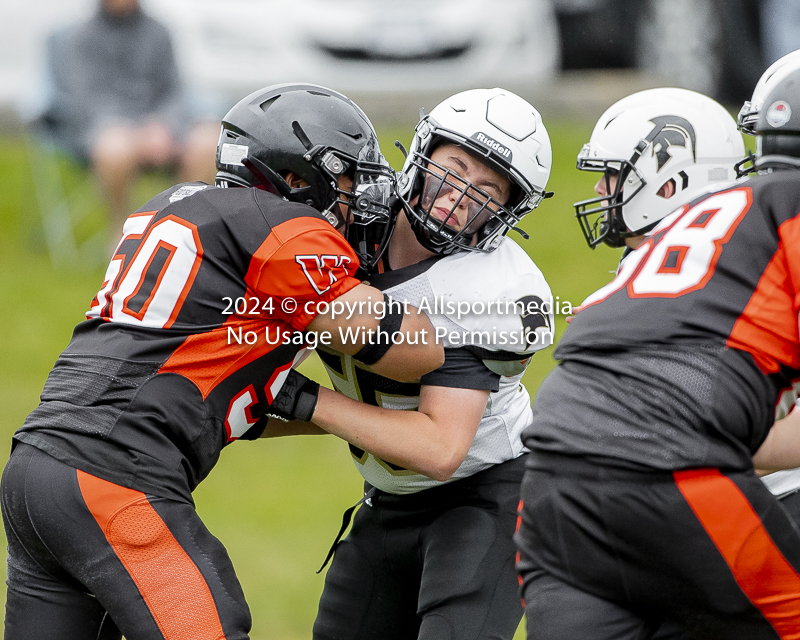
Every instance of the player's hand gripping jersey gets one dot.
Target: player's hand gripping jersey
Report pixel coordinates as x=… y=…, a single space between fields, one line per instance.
x=701 y=325
x=154 y=384
x=486 y=349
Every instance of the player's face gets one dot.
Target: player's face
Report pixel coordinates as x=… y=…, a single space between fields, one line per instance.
x=606 y=185
x=634 y=241
x=345 y=184
x=455 y=200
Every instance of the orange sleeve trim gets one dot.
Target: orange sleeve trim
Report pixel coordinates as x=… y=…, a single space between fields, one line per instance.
x=302 y=319
x=303 y=260
x=306 y=236
x=758 y=566
x=170 y=583
x=768 y=326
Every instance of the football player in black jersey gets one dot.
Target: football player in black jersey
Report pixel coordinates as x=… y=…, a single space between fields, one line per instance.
x=784 y=484
x=706 y=143
x=640 y=500
x=184 y=350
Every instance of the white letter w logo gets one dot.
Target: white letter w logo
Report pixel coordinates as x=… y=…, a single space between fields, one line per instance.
x=319 y=270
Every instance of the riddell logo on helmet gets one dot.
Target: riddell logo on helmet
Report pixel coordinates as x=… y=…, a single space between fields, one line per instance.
x=492 y=144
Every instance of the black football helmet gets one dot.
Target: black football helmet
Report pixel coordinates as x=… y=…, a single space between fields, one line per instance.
x=319 y=135
x=778 y=126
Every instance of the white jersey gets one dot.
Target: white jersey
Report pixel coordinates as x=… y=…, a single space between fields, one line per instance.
x=492 y=311
x=783 y=482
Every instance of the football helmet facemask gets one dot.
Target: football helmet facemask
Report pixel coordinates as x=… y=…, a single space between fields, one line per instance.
x=498 y=129
x=320 y=136
x=748 y=114
x=645 y=142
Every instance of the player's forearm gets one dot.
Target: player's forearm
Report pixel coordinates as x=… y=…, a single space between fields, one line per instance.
x=365 y=319
x=781 y=449
x=415 y=353
x=406 y=438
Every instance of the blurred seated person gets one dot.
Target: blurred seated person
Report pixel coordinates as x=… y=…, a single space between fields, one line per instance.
x=116 y=100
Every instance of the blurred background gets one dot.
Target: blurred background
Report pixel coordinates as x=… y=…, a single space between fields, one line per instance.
x=277 y=504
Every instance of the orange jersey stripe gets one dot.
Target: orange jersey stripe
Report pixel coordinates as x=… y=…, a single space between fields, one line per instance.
x=768 y=327
x=758 y=566
x=209 y=358
x=170 y=583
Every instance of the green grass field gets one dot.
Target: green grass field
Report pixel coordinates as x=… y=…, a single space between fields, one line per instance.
x=275 y=504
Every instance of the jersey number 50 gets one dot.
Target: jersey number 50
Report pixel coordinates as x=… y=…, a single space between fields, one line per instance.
x=149 y=291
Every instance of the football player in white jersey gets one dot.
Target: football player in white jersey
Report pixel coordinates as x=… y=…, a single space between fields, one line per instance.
x=431 y=552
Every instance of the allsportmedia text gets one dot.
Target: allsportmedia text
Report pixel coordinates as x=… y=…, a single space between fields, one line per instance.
x=440 y=305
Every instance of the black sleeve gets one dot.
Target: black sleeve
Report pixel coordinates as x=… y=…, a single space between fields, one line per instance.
x=462 y=370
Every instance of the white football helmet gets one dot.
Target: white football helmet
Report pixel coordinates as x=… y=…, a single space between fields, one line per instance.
x=778 y=125
x=771 y=78
x=499 y=129
x=642 y=143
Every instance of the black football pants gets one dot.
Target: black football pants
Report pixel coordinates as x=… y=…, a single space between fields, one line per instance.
x=434 y=565
x=610 y=554
x=791 y=504
x=90 y=560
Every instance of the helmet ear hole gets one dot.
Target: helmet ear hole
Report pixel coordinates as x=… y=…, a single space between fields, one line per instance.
x=515 y=196
x=667 y=189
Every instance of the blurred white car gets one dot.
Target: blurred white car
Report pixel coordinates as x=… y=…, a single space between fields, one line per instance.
x=230 y=47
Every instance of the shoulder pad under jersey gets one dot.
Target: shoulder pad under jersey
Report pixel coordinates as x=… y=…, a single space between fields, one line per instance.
x=496 y=304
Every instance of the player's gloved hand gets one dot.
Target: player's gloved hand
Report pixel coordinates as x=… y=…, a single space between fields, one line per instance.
x=296 y=400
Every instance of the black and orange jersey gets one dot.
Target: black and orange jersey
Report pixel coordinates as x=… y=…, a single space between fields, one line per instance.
x=681 y=360
x=199 y=318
